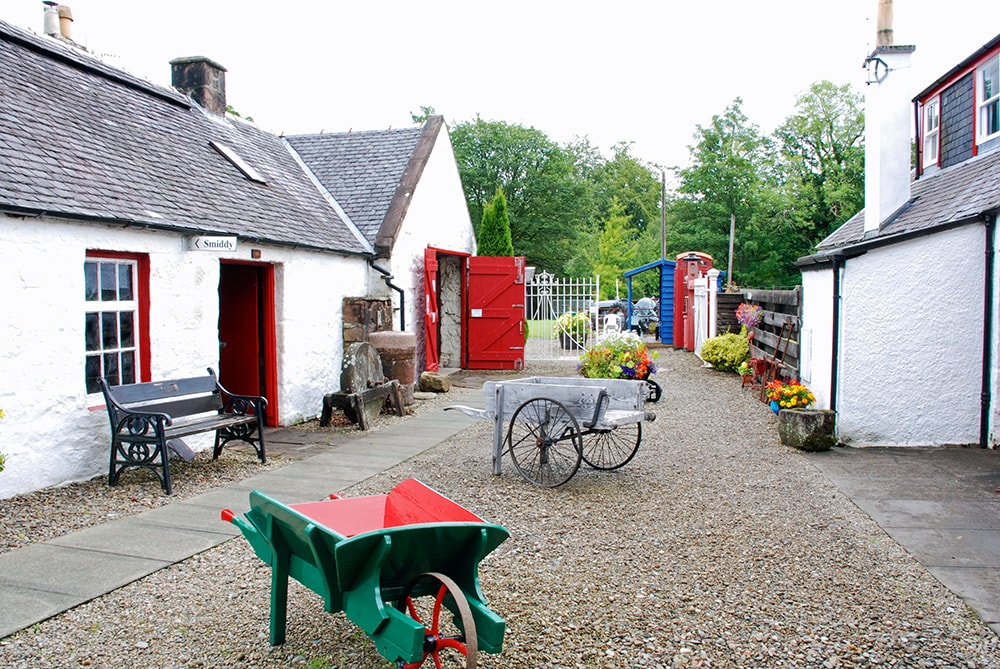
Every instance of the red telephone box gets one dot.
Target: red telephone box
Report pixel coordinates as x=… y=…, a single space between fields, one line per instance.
x=690 y=266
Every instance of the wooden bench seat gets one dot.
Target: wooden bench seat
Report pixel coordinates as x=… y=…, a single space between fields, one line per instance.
x=145 y=417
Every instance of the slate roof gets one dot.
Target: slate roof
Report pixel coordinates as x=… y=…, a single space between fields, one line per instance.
x=371 y=173
x=82 y=140
x=959 y=194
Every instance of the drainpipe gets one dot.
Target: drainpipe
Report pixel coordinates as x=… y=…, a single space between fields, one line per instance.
x=387 y=277
x=838 y=264
x=985 y=395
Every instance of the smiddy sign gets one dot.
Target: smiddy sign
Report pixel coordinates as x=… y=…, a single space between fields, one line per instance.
x=216 y=244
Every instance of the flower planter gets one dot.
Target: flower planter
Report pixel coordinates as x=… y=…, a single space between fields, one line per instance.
x=807 y=429
x=568 y=342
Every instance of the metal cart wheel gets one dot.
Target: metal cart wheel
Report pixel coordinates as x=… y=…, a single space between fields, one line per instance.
x=611 y=449
x=450 y=640
x=544 y=442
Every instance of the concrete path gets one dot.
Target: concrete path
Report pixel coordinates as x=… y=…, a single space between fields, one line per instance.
x=941 y=504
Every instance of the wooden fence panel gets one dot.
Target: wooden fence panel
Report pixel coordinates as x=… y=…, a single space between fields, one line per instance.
x=778 y=332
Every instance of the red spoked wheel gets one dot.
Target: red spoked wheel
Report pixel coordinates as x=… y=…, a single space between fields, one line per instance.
x=450 y=639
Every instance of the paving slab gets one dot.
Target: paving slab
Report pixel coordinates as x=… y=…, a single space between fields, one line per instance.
x=65 y=570
x=191 y=515
x=940 y=504
x=134 y=537
x=27 y=604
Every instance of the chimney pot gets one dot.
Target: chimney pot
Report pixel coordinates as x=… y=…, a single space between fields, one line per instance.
x=66 y=22
x=50 y=18
x=203 y=80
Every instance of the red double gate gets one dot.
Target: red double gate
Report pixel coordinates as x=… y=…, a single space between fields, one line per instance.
x=492 y=328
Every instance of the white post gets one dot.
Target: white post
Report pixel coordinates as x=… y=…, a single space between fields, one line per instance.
x=713 y=302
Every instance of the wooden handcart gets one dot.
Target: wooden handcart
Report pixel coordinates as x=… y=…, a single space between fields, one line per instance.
x=404 y=567
x=549 y=425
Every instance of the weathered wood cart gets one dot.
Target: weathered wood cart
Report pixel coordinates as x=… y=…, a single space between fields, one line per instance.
x=554 y=423
x=404 y=567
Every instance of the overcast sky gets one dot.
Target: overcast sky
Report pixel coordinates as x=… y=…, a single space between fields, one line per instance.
x=646 y=72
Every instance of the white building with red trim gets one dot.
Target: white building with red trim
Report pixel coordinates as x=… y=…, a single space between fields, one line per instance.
x=146 y=234
x=900 y=304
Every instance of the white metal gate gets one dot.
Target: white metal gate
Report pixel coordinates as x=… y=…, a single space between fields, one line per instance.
x=547 y=297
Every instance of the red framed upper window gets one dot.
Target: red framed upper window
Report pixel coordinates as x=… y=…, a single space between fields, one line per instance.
x=932 y=132
x=988 y=100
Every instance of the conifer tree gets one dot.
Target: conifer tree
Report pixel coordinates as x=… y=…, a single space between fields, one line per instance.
x=494 y=229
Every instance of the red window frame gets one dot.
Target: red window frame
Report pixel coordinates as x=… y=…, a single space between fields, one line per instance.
x=141 y=260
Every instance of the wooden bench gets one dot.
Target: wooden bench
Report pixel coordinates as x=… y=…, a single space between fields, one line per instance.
x=145 y=417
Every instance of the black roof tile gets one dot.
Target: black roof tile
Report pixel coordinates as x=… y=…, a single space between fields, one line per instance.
x=80 y=139
x=366 y=171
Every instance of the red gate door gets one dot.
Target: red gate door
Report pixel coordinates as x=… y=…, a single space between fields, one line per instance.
x=494 y=318
x=431 y=310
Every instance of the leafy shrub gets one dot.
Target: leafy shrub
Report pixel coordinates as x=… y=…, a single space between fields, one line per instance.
x=726 y=351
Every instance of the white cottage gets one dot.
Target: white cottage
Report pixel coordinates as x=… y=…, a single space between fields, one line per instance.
x=146 y=234
x=900 y=304
x=403 y=190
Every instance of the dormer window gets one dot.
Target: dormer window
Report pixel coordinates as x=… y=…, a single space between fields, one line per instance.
x=988 y=97
x=932 y=131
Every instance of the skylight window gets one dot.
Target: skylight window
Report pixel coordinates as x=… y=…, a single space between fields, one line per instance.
x=241 y=165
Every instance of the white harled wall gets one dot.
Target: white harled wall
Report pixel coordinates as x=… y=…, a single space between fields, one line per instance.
x=53 y=433
x=911 y=342
x=438 y=217
x=816 y=340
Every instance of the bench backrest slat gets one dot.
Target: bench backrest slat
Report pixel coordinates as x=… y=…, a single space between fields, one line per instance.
x=185 y=406
x=156 y=390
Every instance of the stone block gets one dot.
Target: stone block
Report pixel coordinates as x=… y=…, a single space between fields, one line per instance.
x=807 y=429
x=434 y=383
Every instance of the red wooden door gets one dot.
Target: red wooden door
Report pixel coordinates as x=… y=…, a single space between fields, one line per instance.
x=430 y=310
x=246 y=333
x=494 y=317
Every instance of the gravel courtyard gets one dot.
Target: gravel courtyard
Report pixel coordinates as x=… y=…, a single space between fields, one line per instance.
x=714 y=547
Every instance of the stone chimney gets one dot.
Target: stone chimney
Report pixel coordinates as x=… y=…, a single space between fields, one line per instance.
x=887 y=125
x=203 y=80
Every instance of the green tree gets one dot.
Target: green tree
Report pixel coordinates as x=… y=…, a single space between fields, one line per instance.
x=549 y=203
x=425 y=113
x=634 y=185
x=730 y=172
x=822 y=147
x=494 y=229
x=613 y=249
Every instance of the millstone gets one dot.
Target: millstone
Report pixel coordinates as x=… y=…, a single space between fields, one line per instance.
x=362 y=370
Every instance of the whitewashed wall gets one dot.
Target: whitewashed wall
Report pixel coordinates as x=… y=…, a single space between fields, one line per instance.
x=911 y=342
x=438 y=217
x=53 y=432
x=816 y=339
x=309 y=292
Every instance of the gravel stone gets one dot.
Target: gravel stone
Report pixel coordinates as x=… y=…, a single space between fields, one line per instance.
x=714 y=547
